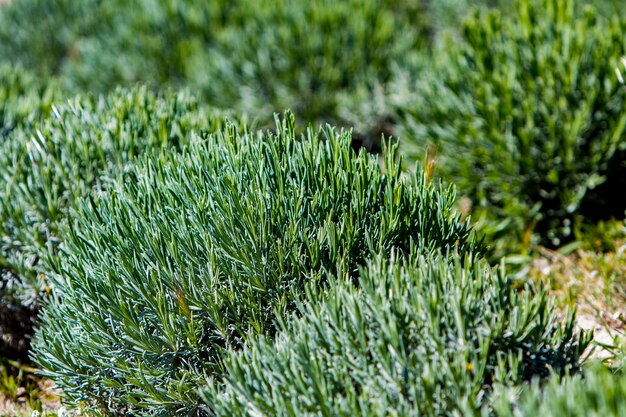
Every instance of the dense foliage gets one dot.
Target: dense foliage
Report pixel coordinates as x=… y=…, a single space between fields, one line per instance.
x=50 y=163
x=596 y=393
x=24 y=98
x=527 y=115
x=98 y=45
x=176 y=261
x=193 y=252
x=41 y=34
x=253 y=56
x=419 y=337
x=304 y=55
x=148 y=41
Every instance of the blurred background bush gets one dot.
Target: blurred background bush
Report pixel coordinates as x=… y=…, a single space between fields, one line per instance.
x=526 y=115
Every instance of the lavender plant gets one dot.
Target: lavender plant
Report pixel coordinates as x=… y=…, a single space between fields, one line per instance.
x=189 y=254
x=50 y=163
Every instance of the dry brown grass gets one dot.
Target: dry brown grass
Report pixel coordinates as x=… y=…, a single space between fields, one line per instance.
x=593 y=283
x=23 y=392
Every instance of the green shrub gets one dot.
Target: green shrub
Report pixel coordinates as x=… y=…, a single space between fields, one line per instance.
x=190 y=253
x=421 y=337
x=148 y=41
x=46 y=167
x=606 y=7
x=24 y=98
x=302 y=54
x=527 y=115
x=255 y=56
x=596 y=393
x=41 y=34
x=96 y=45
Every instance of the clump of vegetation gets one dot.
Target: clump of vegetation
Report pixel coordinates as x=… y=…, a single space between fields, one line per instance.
x=304 y=54
x=24 y=98
x=147 y=41
x=41 y=35
x=47 y=165
x=178 y=262
x=598 y=392
x=24 y=101
x=255 y=56
x=193 y=252
x=422 y=336
x=528 y=117
x=97 y=45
